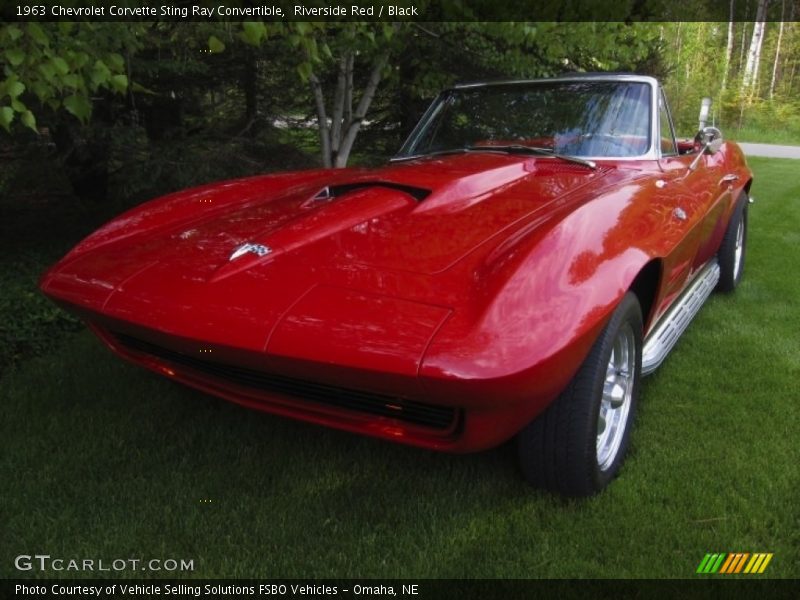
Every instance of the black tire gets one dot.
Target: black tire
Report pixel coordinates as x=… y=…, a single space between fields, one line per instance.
x=731 y=269
x=558 y=451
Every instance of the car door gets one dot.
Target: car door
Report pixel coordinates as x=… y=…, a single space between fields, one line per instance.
x=708 y=186
x=717 y=183
x=682 y=199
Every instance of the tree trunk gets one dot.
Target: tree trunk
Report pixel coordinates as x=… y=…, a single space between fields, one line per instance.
x=338 y=106
x=336 y=138
x=792 y=56
x=754 y=86
x=677 y=100
x=777 y=53
x=354 y=125
x=322 y=120
x=743 y=43
x=250 y=89
x=728 y=50
x=750 y=76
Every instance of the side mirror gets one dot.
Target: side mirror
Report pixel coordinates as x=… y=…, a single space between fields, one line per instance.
x=708 y=140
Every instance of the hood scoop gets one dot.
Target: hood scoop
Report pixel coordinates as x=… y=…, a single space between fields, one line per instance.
x=357 y=203
x=332 y=192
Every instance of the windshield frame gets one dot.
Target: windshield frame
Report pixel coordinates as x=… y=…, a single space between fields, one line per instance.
x=652 y=152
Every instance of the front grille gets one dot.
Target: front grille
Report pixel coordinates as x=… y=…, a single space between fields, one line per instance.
x=416 y=413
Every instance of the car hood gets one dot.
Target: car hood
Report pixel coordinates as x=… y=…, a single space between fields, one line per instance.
x=319 y=227
x=420 y=216
x=353 y=258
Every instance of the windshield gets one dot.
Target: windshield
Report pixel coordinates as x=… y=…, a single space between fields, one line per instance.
x=599 y=119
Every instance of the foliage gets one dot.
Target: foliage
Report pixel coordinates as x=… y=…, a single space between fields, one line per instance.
x=319 y=49
x=37 y=227
x=769 y=122
x=60 y=66
x=32 y=324
x=695 y=54
x=343 y=63
x=202 y=92
x=143 y=168
x=42 y=219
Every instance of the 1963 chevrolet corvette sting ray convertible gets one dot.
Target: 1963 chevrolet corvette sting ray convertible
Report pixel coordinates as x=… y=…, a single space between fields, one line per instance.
x=533 y=249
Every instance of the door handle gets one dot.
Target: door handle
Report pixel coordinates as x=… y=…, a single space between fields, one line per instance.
x=729 y=178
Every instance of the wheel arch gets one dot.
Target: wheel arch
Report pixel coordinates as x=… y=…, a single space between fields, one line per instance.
x=646 y=285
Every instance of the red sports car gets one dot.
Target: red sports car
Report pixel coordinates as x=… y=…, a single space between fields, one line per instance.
x=532 y=251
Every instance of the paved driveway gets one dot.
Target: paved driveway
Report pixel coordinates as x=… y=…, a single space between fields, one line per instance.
x=771 y=150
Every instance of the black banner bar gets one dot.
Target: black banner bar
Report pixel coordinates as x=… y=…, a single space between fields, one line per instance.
x=406 y=589
x=388 y=10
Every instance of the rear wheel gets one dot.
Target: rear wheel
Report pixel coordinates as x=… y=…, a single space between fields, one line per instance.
x=577 y=446
x=732 y=251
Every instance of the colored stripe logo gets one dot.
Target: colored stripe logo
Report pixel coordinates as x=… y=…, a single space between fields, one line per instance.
x=726 y=563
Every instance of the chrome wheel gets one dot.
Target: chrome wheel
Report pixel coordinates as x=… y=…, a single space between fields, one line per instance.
x=615 y=405
x=579 y=443
x=738 y=249
x=732 y=253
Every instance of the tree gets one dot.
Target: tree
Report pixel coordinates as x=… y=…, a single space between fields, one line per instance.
x=60 y=66
x=328 y=55
x=728 y=49
x=777 y=52
x=344 y=64
x=750 y=77
x=346 y=116
x=437 y=54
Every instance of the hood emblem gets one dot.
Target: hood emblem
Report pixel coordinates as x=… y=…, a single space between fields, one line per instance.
x=258 y=249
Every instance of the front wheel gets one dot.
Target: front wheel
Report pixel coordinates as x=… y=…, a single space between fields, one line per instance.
x=577 y=446
x=733 y=249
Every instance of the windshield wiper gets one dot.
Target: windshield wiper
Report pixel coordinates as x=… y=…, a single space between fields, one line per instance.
x=522 y=149
x=435 y=153
x=511 y=149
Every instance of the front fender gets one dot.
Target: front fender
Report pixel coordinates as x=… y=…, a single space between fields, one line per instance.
x=540 y=302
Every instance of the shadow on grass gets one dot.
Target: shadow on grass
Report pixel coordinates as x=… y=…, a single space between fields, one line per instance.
x=103 y=445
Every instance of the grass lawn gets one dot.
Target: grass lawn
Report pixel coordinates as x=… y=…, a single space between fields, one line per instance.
x=759 y=135
x=102 y=459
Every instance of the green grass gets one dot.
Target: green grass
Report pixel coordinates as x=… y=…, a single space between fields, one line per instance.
x=760 y=135
x=102 y=459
